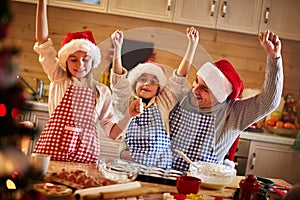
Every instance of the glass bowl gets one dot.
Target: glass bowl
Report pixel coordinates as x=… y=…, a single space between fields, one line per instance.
x=117 y=170
x=212 y=175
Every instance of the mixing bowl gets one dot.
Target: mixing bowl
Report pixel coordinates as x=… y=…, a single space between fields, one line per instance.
x=212 y=175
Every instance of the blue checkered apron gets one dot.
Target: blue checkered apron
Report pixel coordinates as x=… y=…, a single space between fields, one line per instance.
x=147 y=139
x=192 y=133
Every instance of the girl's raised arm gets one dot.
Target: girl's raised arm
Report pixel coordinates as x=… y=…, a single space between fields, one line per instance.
x=41 y=31
x=117 y=40
x=186 y=62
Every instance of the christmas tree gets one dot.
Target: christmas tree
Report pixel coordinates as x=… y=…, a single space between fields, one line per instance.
x=15 y=169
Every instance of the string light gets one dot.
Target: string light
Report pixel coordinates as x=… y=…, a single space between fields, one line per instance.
x=2 y=110
x=10 y=184
x=15 y=113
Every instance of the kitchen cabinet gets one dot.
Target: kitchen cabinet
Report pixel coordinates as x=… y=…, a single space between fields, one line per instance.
x=274 y=161
x=108 y=148
x=89 y=5
x=282 y=17
x=233 y=15
x=160 y=10
x=38 y=114
x=40 y=119
x=28 y=1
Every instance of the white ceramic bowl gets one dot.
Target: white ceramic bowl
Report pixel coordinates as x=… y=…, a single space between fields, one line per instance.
x=212 y=175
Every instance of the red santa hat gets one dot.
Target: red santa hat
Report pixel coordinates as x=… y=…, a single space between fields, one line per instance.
x=223 y=74
x=147 y=67
x=79 y=41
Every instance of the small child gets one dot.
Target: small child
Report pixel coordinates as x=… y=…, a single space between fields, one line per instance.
x=76 y=101
x=148 y=136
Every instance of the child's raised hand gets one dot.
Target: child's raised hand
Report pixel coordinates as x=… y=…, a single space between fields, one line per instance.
x=117 y=38
x=192 y=35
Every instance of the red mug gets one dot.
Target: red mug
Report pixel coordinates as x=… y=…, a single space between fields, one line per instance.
x=188 y=184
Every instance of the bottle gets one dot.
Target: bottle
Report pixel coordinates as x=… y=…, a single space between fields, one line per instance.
x=249 y=188
x=289 y=110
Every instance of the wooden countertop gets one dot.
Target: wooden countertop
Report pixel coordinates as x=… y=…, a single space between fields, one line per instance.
x=226 y=193
x=267 y=137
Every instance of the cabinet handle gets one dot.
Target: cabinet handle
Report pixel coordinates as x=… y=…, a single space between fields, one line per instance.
x=169 y=4
x=213 y=8
x=224 y=8
x=267 y=15
x=253 y=161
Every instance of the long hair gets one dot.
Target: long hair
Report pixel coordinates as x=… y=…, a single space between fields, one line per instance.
x=89 y=83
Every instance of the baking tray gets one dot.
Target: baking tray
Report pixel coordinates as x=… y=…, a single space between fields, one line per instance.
x=147 y=173
x=154 y=179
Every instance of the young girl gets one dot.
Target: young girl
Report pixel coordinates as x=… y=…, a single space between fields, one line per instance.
x=76 y=100
x=147 y=135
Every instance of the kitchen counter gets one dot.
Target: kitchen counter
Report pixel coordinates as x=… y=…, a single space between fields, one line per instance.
x=267 y=137
x=153 y=188
x=34 y=105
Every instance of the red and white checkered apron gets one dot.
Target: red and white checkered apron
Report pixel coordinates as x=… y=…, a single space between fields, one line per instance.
x=70 y=134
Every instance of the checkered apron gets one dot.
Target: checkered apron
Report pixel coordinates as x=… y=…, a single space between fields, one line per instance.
x=192 y=133
x=148 y=141
x=70 y=134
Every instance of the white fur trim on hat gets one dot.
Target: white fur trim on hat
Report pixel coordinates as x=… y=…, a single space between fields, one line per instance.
x=215 y=80
x=147 y=68
x=79 y=45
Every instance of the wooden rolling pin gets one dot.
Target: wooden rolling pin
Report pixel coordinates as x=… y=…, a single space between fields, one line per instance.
x=147 y=189
x=121 y=194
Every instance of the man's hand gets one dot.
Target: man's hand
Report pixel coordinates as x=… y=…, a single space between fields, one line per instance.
x=271 y=44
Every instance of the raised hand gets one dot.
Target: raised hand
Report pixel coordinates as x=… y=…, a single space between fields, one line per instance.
x=192 y=35
x=117 y=38
x=270 y=43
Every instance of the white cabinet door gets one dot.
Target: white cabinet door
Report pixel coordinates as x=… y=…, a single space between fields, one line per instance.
x=281 y=17
x=274 y=161
x=239 y=16
x=89 y=5
x=108 y=148
x=231 y=15
x=40 y=119
x=153 y=10
x=197 y=12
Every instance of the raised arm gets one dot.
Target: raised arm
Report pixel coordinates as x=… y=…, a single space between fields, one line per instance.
x=270 y=43
x=117 y=40
x=41 y=32
x=186 y=62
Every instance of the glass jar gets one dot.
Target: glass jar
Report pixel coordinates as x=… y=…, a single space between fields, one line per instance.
x=249 y=188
